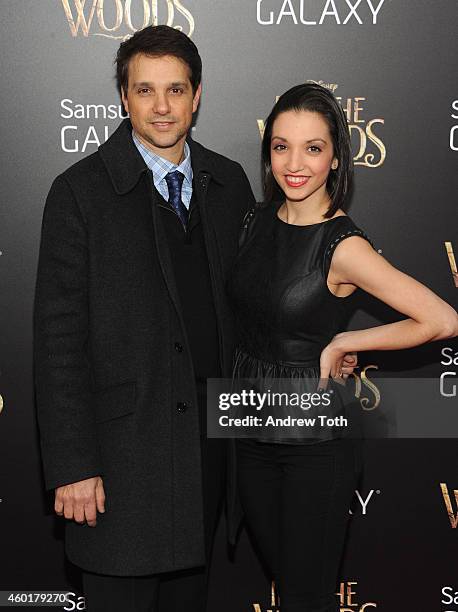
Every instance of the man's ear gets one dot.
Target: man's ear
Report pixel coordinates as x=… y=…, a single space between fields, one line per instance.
x=196 y=99
x=124 y=100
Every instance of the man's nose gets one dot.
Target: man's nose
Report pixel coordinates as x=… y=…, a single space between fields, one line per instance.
x=161 y=104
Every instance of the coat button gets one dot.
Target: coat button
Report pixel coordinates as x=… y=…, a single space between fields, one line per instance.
x=182 y=406
x=178 y=347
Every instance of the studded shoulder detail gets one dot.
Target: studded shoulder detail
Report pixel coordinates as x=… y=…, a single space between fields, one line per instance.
x=339 y=234
x=340 y=237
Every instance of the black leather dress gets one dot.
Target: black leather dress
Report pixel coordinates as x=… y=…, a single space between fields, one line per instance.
x=285 y=311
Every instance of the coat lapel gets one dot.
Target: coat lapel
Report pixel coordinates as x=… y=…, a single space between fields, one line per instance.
x=126 y=167
x=163 y=251
x=122 y=159
x=205 y=173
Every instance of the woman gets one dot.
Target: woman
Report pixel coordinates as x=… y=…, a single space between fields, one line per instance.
x=300 y=260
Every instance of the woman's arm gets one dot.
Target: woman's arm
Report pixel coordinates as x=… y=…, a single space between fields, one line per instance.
x=356 y=263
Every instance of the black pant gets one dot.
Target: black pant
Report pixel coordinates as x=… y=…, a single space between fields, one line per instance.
x=184 y=591
x=296 y=500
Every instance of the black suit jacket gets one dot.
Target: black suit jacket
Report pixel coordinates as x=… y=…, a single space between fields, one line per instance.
x=108 y=380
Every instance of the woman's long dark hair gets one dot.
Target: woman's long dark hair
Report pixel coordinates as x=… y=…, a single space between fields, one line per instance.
x=315 y=98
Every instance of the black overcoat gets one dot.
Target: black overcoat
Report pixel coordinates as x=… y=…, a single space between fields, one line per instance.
x=114 y=397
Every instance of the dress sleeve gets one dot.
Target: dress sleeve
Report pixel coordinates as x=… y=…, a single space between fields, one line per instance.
x=337 y=237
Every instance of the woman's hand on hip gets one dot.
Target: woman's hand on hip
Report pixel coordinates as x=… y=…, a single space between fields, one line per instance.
x=335 y=362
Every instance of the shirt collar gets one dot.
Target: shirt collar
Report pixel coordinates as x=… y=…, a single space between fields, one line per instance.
x=161 y=166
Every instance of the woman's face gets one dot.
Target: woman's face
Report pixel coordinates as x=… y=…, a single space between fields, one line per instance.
x=301 y=154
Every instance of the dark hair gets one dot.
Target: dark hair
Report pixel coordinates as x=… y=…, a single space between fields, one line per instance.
x=157 y=41
x=315 y=98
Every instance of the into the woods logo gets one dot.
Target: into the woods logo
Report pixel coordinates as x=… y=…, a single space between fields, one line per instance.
x=273 y=606
x=120 y=19
x=452 y=514
x=346 y=597
x=452 y=262
x=368 y=148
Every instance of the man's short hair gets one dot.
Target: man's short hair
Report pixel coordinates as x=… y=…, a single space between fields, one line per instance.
x=157 y=41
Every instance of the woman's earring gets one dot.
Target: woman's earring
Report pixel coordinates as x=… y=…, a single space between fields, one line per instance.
x=335 y=164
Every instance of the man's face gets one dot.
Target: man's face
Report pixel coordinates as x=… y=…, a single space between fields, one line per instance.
x=160 y=102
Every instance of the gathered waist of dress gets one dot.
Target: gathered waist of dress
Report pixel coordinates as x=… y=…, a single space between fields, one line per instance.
x=246 y=363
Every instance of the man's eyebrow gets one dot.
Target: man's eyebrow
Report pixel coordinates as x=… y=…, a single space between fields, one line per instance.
x=151 y=85
x=142 y=84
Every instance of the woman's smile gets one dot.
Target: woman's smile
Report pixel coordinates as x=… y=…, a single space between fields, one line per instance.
x=295 y=181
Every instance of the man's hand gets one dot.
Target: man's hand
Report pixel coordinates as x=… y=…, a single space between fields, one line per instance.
x=81 y=500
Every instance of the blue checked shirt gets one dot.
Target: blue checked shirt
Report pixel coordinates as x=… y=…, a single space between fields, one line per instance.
x=160 y=167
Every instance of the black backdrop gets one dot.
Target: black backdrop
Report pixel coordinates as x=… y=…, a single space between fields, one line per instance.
x=393 y=64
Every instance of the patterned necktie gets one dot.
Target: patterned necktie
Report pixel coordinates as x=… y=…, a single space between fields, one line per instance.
x=174 y=182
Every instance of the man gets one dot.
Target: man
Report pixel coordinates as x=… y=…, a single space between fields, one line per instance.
x=130 y=320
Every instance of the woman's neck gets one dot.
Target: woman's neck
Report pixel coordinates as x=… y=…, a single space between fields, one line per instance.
x=304 y=212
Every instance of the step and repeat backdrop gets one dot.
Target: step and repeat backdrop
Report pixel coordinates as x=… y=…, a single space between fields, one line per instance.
x=392 y=65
